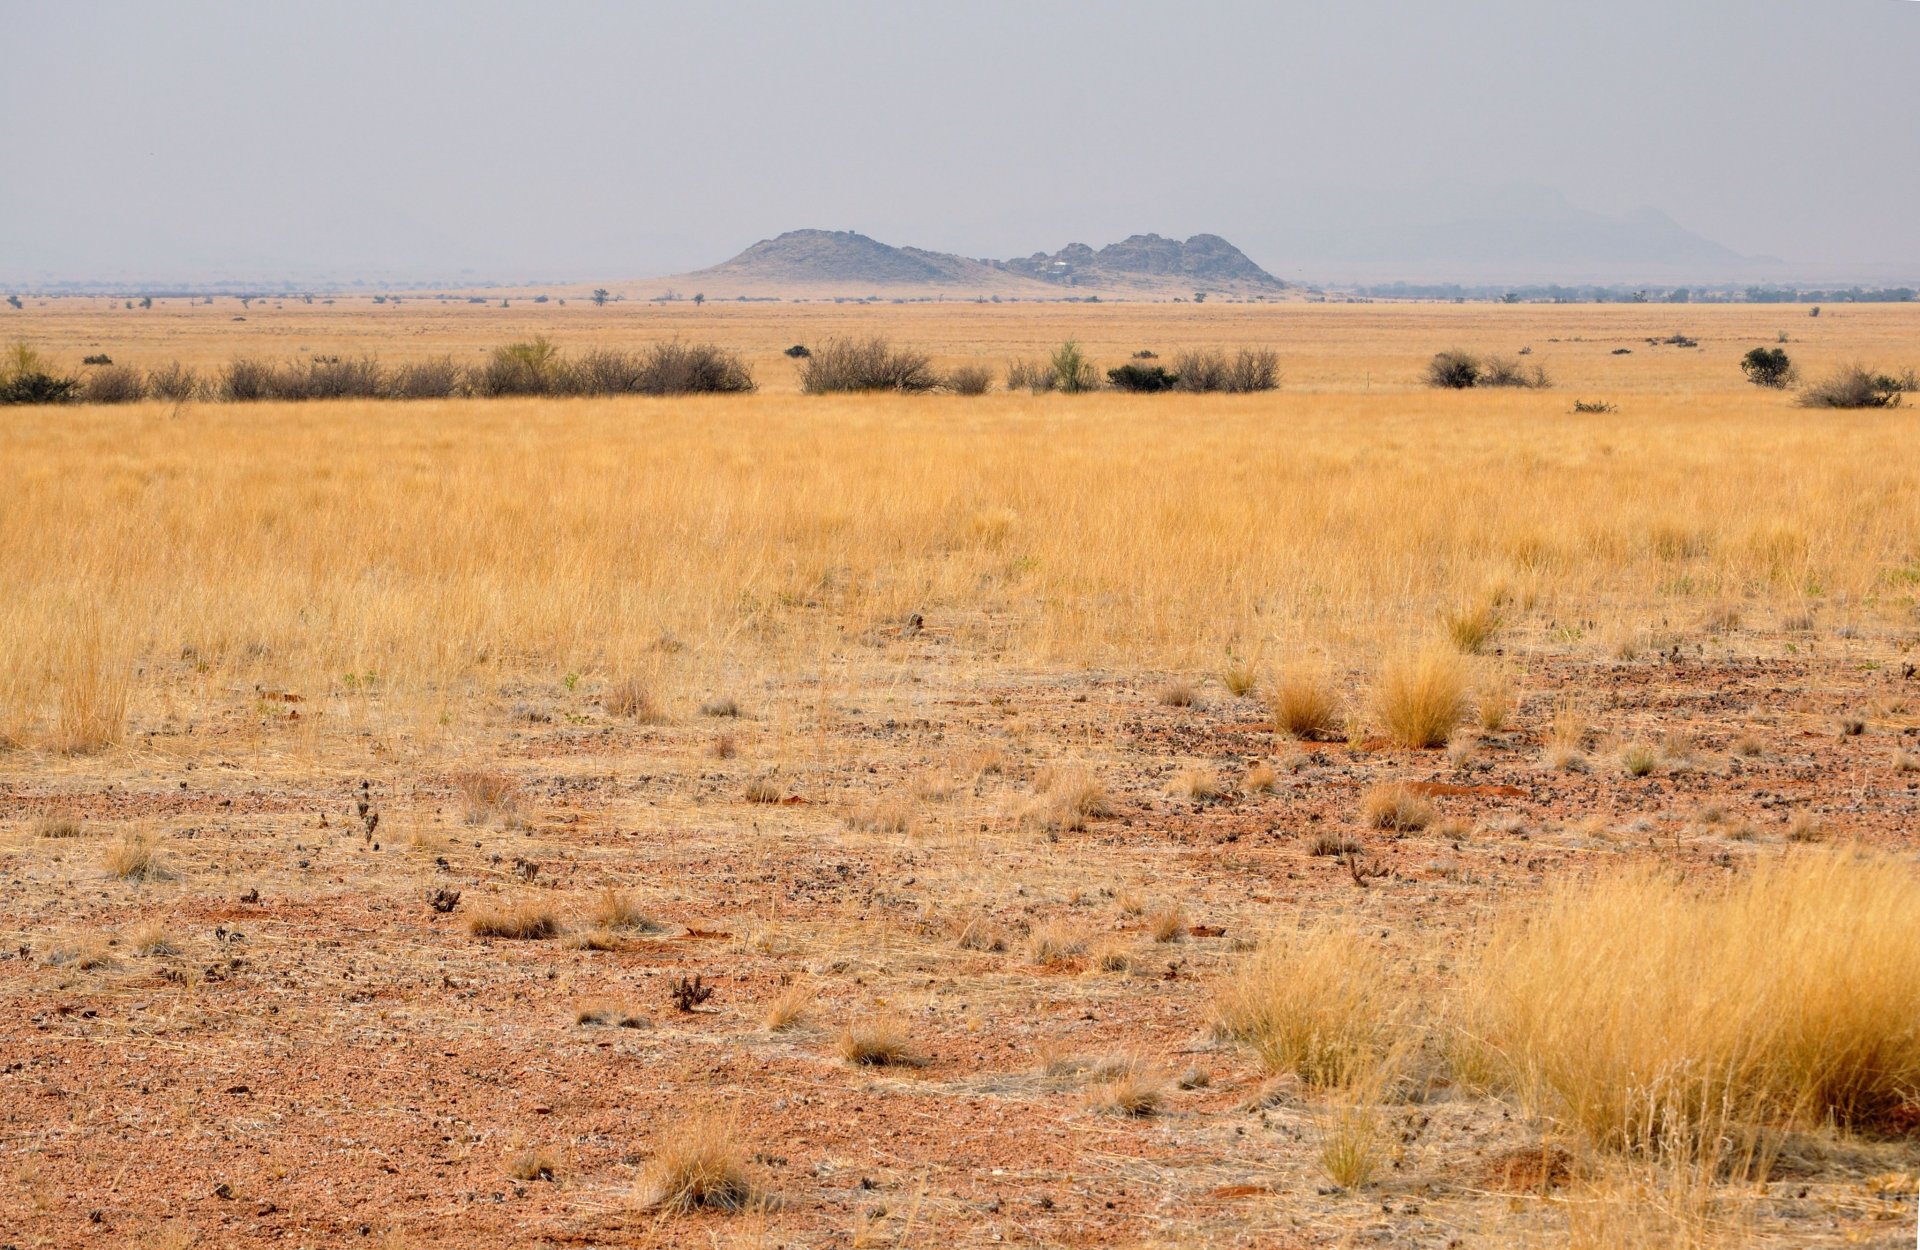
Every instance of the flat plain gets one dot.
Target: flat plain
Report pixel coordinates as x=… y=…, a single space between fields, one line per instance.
x=1046 y=788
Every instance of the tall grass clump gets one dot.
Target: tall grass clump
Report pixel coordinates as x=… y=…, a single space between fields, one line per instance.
x=437 y=377
x=873 y=364
x=970 y=380
x=174 y=382
x=1649 y=1014
x=1321 y=1003
x=1034 y=376
x=699 y=1165
x=1505 y=371
x=1420 y=698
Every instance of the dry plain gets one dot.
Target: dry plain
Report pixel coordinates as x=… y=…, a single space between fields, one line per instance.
x=946 y=730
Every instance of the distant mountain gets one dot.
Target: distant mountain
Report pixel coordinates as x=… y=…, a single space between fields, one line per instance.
x=843 y=262
x=1514 y=232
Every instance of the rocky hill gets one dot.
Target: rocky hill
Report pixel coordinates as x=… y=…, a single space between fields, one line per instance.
x=841 y=262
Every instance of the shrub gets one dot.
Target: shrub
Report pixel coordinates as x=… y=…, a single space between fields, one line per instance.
x=692 y=369
x=113 y=384
x=24 y=379
x=100 y=359
x=1767 y=366
x=531 y=367
x=1421 y=698
x=1141 y=379
x=799 y=351
x=970 y=380
x=1646 y=1013
x=1201 y=372
x=1454 y=370
x=1594 y=405
x=135 y=857
x=1253 y=369
x=245 y=380
x=437 y=377
x=334 y=377
x=1501 y=371
x=876 y=1041
x=174 y=382
x=1395 y=806
x=1036 y=376
x=1854 y=386
x=865 y=365
x=1072 y=372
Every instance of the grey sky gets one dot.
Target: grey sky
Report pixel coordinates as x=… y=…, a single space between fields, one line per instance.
x=582 y=141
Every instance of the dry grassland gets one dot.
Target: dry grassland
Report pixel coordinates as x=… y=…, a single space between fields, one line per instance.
x=1354 y=814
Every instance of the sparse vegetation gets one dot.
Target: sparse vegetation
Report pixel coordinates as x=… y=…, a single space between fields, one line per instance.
x=873 y=364
x=1856 y=386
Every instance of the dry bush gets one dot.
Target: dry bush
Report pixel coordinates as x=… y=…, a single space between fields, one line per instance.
x=531 y=367
x=1646 y=1013
x=633 y=699
x=91 y=713
x=1855 y=386
x=675 y=368
x=524 y=919
x=1420 y=698
x=765 y=788
x=488 y=796
x=246 y=380
x=1395 y=805
x=1502 y=371
x=1203 y=371
x=438 y=377
x=174 y=382
x=1454 y=370
x=135 y=857
x=1239 y=679
x=616 y=909
x=698 y=1165
x=1305 y=705
x=337 y=377
x=970 y=380
x=1034 y=376
x=873 y=364
x=876 y=1041
x=1321 y=1003
x=113 y=384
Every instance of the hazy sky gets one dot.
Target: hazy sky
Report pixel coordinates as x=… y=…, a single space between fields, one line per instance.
x=600 y=140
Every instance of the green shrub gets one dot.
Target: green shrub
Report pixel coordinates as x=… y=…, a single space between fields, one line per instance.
x=1072 y=372
x=1767 y=366
x=1142 y=379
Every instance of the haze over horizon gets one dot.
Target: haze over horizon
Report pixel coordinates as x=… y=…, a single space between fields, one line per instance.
x=1491 y=141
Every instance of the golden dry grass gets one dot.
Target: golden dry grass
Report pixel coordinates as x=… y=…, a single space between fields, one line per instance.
x=697 y=1165
x=1642 y=1012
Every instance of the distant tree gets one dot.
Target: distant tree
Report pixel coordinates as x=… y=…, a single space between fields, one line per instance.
x=1199 y=297
x=146 y=301
x=1814 y=311
x=15 y=301
x=1767 y=366
x=1511 y=297
x=600 y=297
x=698 y=299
